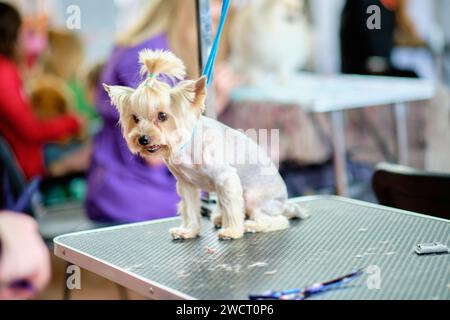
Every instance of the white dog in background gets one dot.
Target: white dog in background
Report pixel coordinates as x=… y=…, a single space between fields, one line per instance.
x=270 y=38
x=161 y=121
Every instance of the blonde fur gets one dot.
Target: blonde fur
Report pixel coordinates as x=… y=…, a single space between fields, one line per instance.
x=155 y=19
x=176 y=19
x=160 y=62
x=64 y=54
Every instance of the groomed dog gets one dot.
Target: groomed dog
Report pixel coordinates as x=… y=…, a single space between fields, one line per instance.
x=159 y=120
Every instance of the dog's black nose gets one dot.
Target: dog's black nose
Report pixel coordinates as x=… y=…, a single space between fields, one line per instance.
x=144 y=140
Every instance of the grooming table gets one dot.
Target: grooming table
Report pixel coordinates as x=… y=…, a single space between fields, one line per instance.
x=334 y=94
x=341 y=236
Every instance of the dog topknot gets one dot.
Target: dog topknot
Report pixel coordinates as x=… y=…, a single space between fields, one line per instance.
x=159 y=62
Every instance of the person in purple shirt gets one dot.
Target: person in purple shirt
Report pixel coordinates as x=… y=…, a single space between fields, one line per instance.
x=122 y=187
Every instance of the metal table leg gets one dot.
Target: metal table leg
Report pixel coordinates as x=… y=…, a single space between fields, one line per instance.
x=205 y=40
x=400 y=111
x=339 y=156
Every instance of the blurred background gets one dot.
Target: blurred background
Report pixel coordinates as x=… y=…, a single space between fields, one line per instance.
x=379 y=69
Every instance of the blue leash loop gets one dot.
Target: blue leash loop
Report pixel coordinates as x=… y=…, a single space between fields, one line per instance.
x=209 y=67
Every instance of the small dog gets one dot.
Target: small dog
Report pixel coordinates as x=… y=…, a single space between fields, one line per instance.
x=270 y=37
x=159 y=120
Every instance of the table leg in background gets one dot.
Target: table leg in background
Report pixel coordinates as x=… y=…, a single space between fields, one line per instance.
x=339 y=153
x=205 y=36
x=400 y=111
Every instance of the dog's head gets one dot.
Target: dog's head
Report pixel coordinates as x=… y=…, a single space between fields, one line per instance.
x=157 y=119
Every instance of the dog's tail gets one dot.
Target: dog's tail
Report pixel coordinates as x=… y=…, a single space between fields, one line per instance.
x=295 y=211
x=159 y=62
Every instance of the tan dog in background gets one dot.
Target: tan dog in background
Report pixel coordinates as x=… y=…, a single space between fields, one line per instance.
x=166 y=122
x=50 y=97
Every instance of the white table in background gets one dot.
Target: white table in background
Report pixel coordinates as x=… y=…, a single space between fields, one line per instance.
x=337 y=93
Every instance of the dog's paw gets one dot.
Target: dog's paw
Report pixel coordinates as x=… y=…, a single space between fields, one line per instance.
x=230 y=233
x=250 y=226
x=216 y=219
x=183 y=233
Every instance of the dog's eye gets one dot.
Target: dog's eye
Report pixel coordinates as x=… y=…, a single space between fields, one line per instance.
x=135 y=118
x=162 y=116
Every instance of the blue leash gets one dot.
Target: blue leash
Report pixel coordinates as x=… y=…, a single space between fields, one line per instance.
x=209 y=67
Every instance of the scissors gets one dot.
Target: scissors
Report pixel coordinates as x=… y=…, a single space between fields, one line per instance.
x=304 y=293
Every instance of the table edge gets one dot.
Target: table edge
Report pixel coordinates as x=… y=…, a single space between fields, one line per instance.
x=118 y=275
x=296 y=200
x=142 y=285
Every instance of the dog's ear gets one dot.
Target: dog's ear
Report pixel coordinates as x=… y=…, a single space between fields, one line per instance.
x=192 y=91
x=120 y=96
x=200 y=92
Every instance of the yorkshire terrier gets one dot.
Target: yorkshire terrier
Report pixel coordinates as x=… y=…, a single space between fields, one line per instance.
x=165 y=121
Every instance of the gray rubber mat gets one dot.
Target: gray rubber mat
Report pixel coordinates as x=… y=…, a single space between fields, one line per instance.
x=340 y=237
